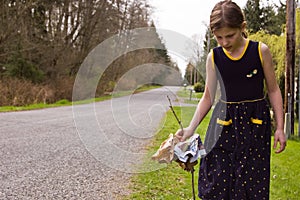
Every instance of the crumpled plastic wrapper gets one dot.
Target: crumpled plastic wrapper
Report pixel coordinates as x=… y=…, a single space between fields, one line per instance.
x=185 y=153
x=165 y=153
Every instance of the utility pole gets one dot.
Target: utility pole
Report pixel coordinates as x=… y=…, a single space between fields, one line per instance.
x=290 y=61
x=298 y=88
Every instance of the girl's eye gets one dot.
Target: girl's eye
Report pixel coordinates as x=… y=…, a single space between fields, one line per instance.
x=230 y=36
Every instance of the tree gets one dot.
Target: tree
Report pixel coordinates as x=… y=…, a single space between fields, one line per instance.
x=298 y=62
x=189 y=74
x=198 y=62
x=269 y=18
x=275 y=44
x=48 y=40
x=253 y=13
x=273 y=20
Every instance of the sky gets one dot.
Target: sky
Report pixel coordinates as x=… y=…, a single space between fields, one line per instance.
x=187 y=17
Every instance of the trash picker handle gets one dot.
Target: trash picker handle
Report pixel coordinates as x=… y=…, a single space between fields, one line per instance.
x=192 y=169
x=171 y=107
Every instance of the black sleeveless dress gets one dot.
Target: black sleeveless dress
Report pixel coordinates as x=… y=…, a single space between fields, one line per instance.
x=237 y=165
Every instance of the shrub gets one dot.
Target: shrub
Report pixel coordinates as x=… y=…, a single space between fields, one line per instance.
x=20 y=92
x=199 y=87
x=20 y=68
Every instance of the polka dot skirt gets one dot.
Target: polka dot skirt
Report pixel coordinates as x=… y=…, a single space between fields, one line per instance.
x=237 y=166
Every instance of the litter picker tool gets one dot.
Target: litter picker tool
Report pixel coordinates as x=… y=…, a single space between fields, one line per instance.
x=185 y=153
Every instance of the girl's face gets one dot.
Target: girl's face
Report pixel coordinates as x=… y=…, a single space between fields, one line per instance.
x=229 y=38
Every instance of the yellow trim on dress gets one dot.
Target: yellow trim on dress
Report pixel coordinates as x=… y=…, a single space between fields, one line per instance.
x=224 y=123
x=229 y=122
x=213 y=59
x=260 y=54
x=256 y=121
x=237 y=58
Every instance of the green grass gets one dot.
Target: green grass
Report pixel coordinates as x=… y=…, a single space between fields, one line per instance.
x=172 y=183
x=65 y=102
x=185 y=94
x=285 y=174
x=62 y=102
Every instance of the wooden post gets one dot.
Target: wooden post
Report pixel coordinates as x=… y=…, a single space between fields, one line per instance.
x=298 y=95
x=290 y=59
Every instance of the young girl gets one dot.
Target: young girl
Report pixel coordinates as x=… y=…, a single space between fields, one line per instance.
x=237 y=164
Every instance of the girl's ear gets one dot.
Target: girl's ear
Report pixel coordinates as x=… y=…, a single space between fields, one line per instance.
x=243 y=26
x=243 y=30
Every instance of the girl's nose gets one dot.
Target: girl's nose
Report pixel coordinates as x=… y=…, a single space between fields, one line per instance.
x=225 y=42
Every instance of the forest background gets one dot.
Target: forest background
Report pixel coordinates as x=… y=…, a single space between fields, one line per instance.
x=43 y=44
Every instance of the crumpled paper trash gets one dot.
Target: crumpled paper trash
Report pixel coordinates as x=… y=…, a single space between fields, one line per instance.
x=186 y=153
x=165 y=153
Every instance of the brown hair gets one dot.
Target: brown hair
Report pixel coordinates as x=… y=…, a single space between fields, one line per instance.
x=226 y=14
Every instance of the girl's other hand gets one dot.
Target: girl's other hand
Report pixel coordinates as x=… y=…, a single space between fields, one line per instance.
x=279 y=137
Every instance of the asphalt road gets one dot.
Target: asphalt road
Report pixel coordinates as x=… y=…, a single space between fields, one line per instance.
x=80 y=152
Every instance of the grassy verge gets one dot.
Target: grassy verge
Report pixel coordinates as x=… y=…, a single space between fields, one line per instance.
x=172 y=182
x=62 y=102
x=65 y=102
x=285 y=172
x=192 y=98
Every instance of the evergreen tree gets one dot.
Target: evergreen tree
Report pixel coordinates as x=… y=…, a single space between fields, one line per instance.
x=273 y=18
x=269 y=18
x=281 y=15
x=253 y=14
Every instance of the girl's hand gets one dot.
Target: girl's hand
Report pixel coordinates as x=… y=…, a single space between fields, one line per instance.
x=279 y=137
x=182 y=135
